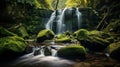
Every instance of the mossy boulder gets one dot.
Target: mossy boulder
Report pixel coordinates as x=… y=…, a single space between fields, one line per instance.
x=114 y=50
x=72 y=52
x=11 y=46
x=94 y=40
x=81 y=34
x=45 y=35
x=14 y=43
x=4 y=32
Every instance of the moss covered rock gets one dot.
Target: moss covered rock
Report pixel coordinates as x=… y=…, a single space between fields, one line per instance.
x=13 y=43
x=93 y=40
x=95 y=44
x=64 y=37
x=11 y=47
x=81 y=34
x=114 y=50
x=4 y=32
x=45 y=35
x=72 y=52
x=63 y=40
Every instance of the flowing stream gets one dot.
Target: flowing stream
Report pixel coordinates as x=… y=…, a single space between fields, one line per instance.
x=40 y=60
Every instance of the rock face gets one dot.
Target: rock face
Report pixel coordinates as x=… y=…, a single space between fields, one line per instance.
x=114 y=50
x=93 y=40
x=72 y=52
x=11 y=46
x=45 y=35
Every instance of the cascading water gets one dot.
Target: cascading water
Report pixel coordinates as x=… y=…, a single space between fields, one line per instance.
x=60 y=24
x=79 y=17
x=50 y=22
x=57 y=20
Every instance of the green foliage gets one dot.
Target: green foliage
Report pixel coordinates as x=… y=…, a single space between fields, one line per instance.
x=72 y=52
x=76 y=3
x=13 y=43
x=114 y=50
x=45 y=35
x=44 y=4
x=4 y=32
x=14 y=2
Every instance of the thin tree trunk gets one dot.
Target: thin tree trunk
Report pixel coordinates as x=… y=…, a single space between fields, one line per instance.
x=56 y=6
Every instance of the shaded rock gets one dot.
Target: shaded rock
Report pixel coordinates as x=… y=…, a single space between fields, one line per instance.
x=114 y=50
x=45 y=35
x=47 y=51
x=72 y=53
x=93 y=40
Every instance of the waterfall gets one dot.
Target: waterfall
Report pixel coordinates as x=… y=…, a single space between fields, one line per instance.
x=79 y=17
x=51 y=20
x=60 y=24
x=58 y=17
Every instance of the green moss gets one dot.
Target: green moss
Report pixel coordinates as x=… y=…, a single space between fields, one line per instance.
x=93 y=40
x=63 y=40
x=45 y=35
x=113 y=27
x=4 y=32
x=81 y=34
x=72 y=52
x=13 y=43
x=23 y=32
x=44 y=4
x=114 y=50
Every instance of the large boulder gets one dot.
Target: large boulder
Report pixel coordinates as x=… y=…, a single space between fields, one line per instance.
x=45 y=35
x=95 y=41
x=72 y=53
x=114 y=50
x=11 y=46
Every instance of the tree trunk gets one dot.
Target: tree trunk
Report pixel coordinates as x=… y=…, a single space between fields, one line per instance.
x=56 y=4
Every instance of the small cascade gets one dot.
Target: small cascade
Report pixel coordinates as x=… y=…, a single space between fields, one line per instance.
x=65 y=20
x=79 y=17
x=49 y=24
x=60 y=24
x=45 y=50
